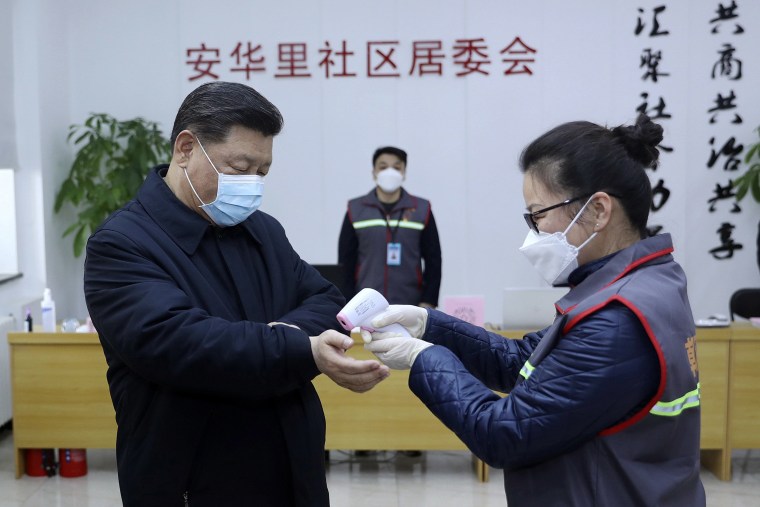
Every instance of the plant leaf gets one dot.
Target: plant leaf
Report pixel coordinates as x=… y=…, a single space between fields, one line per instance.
x=80 y=240
x=751 y=152
x=755 y=181
x=749 y=182
x=112 y=161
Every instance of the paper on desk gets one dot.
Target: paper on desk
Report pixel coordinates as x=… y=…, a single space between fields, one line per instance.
x=467 y=308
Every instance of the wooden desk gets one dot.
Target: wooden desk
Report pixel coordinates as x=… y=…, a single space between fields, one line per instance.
x=744 y=388
x=60 y=393
x=713 y=354
x=61 y=399
x=729 y=371
x=388 y=417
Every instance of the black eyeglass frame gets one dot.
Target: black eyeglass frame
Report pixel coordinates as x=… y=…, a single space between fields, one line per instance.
x=529 y=217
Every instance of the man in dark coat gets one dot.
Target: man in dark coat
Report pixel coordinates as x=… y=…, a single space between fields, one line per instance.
x=212 y=326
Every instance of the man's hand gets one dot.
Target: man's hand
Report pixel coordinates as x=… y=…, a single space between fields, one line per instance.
x=357 y=375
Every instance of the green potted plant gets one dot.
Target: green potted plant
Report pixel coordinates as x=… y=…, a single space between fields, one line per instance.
x=110 y=165
x=749 y=182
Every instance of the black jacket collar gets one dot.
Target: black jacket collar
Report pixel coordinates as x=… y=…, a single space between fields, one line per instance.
x=182 y=224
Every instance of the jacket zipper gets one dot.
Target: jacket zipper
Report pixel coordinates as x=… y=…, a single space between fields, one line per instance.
x=185 y=496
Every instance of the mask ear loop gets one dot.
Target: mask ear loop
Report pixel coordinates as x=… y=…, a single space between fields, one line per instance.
x=207 y=157
x=577 y=216
x=188 y=177
x=193 y=188
x=584 y=243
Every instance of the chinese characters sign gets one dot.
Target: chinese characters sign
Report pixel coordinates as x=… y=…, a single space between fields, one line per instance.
x=724 y=152
x=723 y=155
x=371 y=59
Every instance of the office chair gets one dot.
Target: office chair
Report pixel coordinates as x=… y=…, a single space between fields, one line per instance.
x=745 y=303
x=333 y=273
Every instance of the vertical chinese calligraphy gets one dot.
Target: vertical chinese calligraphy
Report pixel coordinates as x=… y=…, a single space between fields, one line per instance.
x=726 y=70
x=651 y=25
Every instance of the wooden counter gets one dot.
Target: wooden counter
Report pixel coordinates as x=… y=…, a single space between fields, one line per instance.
x=60 y=393
x=744 y=392
x=388 y=417
x=61 y=399
x=713 y=354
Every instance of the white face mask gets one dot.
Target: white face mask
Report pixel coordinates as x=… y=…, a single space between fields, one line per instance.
x=551 y=255
x=237 y=196
x=389 y=180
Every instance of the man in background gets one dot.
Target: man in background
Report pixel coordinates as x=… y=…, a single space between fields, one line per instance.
x=389 y=240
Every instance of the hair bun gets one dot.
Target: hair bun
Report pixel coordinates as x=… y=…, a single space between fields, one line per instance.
x=641 y=140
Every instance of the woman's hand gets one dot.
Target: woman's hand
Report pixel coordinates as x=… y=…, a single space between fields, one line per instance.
x=413 y=318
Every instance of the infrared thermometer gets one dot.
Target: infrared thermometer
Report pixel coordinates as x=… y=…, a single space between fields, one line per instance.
x=364 y=307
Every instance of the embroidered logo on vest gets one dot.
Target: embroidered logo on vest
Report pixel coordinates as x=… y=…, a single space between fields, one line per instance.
x=691 y=353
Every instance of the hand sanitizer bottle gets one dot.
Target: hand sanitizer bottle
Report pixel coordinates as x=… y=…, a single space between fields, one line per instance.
x=48 y=312
x=28 y=327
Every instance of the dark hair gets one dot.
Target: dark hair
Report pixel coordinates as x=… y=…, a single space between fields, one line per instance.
x=212 y=109
x=391 y=150
x=579 y=158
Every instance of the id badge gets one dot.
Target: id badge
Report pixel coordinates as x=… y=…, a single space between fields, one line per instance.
x=394 y=254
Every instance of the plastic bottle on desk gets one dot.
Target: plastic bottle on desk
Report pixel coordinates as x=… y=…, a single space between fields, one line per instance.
x=28 y=326
x=48 y=312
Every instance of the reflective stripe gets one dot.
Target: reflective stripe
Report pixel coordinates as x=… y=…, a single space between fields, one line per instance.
x=527 y=369
x=406 y=224
x=379 y=222
x=675 y=407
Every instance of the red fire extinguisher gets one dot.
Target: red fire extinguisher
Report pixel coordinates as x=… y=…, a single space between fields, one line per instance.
x=40 y=462
x=73 y=462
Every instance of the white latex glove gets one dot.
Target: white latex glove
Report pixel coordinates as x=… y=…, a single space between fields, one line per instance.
x=413 y=318
x=397 y=352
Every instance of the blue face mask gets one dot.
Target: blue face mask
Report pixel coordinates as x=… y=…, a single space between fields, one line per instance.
x=237 y=196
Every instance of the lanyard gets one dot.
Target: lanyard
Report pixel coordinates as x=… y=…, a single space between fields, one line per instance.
x=387 y=217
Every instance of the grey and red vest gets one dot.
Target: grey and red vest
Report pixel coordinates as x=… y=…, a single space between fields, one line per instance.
x=374 y=229
x=652 y=457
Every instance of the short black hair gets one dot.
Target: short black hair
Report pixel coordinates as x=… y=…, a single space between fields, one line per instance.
x=579 y=158
x=391 y=150
x=212 y=109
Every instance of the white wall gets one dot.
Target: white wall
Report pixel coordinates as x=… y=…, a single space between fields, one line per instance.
x=42 y=118
x=7 y=118
x=8 y=248
x=463 y=135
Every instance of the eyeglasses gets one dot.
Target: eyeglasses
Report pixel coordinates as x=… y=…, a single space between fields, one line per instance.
x=530 y=217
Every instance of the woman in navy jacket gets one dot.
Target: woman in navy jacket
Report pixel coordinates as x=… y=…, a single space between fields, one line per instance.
x=210 y=323
x=604 y=404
